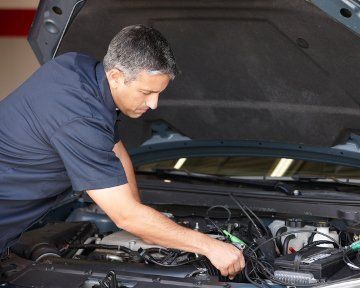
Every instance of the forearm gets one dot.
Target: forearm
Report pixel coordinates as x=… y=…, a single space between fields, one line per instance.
x=154 y=227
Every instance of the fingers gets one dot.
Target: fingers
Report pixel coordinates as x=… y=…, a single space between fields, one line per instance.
x=242 y=261
x=234 y=267
x=237 y=266
x=232 y=272
x=227 y=259
x=224 y=272
x=229 y=271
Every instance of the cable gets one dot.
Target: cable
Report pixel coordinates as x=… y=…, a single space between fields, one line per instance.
x=254 y=259
x=146 y=256
x=286 y=243
x=246 y=214
x=207 y=217
x=219 y=206
x=255 y=263
x=256 y=217
x=271 y=276
x=265 y=270
x=348 y=262
x=251 y=259
x=247 y=276
x=319 y=242
x=278 y=240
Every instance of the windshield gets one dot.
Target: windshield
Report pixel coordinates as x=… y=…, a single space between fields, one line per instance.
x=255 y=167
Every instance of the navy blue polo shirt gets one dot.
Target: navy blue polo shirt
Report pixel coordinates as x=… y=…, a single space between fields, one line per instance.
x=56 y=131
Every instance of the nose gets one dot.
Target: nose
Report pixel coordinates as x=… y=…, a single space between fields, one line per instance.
x=152 y=101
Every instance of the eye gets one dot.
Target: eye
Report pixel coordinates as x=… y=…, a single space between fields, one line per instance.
x=146 y=93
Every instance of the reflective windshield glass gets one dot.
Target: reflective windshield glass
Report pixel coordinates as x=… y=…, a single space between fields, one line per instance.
x=255 y=167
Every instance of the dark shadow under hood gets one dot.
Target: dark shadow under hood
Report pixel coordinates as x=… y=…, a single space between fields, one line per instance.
x=266 y=70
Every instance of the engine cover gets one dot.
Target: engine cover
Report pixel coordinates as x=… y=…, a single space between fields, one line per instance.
x=124 y=238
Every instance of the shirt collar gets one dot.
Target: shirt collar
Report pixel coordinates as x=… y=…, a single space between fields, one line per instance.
x=105 y=88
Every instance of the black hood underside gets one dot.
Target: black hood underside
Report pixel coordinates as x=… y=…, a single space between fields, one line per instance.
x=269 y=70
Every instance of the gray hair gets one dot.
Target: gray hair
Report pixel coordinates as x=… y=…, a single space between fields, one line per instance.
x=137 y=48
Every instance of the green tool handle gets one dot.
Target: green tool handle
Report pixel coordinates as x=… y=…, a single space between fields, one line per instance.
x=355 y=246
x=235 y=240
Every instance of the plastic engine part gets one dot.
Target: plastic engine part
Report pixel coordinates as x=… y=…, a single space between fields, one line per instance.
x=294 y=278
x=50 y=239
x=95 y=215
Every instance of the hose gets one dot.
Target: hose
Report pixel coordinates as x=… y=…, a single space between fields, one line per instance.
x=286 y=243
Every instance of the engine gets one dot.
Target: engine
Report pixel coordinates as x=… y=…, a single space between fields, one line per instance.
x=285 y=251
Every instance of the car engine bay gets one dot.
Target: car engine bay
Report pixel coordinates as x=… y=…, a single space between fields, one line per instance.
x=285 y=251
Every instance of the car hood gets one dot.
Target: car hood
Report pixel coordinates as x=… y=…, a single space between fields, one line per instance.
x=283 y=71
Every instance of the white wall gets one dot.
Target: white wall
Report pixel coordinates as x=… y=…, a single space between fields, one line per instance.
x=17 y=63
x=18 y=4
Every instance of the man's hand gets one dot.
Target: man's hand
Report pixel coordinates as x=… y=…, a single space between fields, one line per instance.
x=226 y=258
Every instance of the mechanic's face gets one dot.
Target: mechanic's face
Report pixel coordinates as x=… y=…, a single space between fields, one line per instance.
x=135 y=97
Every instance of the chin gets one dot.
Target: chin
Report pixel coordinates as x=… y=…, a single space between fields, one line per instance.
x=131 y=113
x=134 y=115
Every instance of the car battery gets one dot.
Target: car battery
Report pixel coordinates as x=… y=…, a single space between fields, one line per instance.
x=320 y=262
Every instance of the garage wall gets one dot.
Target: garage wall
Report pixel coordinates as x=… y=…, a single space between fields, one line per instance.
x=17 y=63
x=16 y=57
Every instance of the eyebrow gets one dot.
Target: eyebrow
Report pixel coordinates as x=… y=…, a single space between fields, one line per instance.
x=151 y=91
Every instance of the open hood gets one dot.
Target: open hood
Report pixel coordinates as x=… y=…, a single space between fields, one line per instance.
x=269 y=70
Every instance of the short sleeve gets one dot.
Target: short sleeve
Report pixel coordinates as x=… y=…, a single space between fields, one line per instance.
x=85 y=147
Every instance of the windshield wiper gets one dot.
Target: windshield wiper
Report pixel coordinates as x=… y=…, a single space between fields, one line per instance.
x=324 y=179
x=275 y=185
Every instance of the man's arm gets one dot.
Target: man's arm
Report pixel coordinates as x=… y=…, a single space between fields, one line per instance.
x=124 y=157
x=129 y=214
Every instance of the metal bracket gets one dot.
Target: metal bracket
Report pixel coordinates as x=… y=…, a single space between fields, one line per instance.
x=346 y=12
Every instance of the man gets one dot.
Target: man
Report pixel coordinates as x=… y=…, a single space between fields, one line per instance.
x=57 y=131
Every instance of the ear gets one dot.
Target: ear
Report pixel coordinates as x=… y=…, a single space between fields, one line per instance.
x=116 y=78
